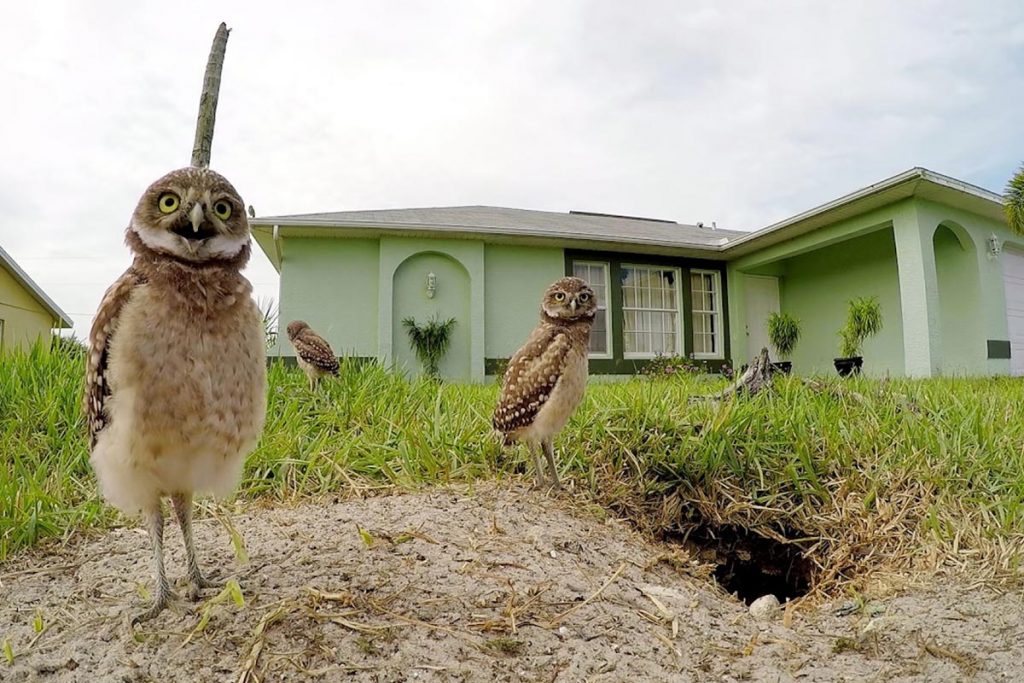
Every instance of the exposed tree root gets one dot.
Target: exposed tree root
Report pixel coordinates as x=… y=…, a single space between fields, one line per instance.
x=758 y=377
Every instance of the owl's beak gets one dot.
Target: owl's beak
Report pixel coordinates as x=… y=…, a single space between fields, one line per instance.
x=196 y=216
x=572 y=305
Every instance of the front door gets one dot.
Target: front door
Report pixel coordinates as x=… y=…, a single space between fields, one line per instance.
x=762 y=300
x=1013 y=281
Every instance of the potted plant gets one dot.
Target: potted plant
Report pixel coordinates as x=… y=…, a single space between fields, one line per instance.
x=783 y=333
x=863 y=320
x=430 y=341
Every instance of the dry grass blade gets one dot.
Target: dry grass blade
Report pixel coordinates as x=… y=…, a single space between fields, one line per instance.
x=248 y=670
x=554 y=623
x=967 y=663
x=343 y=597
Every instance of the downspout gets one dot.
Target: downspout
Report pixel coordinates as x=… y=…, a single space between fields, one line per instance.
x=277 y=243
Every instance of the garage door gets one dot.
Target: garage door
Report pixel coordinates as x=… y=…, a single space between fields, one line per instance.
x=1013 y=281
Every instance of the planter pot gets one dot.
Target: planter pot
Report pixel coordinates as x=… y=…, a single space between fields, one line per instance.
x=848 y=366
x=783 y=366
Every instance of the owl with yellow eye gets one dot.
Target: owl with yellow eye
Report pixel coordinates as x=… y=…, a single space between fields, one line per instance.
x=546 y=377
x=176 y=372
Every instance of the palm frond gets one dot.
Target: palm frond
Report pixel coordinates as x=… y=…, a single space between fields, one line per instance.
x=1013 y=202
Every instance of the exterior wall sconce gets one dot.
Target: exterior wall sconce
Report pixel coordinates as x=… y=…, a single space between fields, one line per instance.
x=994 y=247
x=431 y=285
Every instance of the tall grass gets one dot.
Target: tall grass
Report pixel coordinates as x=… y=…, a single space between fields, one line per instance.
x=901 y=472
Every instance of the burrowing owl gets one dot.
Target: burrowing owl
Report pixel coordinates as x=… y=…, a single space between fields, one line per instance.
x=314 y=355
x=176 y=376
x=545 y=379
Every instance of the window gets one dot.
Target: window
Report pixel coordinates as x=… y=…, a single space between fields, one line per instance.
x=707 y=313
x=650 y=311
x=596 y=275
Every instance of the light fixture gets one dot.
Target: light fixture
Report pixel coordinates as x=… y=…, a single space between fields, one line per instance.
x=994 y=246
x=431 y=285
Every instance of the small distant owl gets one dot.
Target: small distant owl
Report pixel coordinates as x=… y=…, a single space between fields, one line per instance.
x=314 y=355
x=545 y=379
x=176 y=373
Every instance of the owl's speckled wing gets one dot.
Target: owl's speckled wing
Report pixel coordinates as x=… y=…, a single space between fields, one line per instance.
x=97 y=387
x=315 y=350
x=530 y=378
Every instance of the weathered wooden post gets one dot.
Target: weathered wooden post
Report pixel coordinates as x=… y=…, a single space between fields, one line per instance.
x=208 y=99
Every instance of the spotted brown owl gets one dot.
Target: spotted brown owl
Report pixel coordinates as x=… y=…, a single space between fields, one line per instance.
x=312 y=352
x=176 y=373
x=545 y=379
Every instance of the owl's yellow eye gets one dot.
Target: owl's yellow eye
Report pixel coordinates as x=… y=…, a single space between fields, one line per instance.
x=584 y=298
x=559 y=296
x=222 y=209
x=168 y=202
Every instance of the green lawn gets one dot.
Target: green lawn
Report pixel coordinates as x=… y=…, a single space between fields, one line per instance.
x=914 y=470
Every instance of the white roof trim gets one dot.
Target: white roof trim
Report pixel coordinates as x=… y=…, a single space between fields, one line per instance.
x=916 y=173
x=478 y=230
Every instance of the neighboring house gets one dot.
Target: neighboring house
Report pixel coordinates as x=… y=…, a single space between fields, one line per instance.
x=26 y=313
x=935 y=251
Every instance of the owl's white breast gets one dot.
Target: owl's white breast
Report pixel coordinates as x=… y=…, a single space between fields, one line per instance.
x=187 y=398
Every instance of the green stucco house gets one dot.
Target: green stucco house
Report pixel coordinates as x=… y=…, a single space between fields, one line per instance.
x=936 y=252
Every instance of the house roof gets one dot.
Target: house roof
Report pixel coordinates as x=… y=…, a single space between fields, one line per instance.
x=522 y=223
x=22 y=277
x=915 y=182
x=640 y=234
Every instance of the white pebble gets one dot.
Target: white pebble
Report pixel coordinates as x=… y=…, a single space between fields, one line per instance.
x=765 y=608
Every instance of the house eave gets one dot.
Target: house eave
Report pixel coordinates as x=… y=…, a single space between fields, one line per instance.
x=916 y=182
x=264 y=230
x=61 y=319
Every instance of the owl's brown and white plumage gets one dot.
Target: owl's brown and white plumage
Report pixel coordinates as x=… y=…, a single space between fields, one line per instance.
x=176 y=373
x=313 y=354
x=546 y=378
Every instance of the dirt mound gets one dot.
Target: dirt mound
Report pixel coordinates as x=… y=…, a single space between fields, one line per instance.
x=446 y=585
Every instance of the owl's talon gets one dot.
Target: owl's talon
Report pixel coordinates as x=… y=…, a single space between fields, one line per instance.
x=158 y=606
x=196 y=585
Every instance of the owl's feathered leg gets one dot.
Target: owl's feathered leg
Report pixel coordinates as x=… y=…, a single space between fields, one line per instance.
x=183 y=509
x=155 y=526
x=539 y=480
x=549 y=453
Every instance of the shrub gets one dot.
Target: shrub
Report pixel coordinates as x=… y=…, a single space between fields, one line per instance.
x=863 y=320
x=430 y=341
x=667 y=366
x=783 y=332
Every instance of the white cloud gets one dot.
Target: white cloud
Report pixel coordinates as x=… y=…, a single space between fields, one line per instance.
x=737 y=112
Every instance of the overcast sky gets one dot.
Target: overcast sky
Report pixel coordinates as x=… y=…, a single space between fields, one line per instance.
x=741 y=113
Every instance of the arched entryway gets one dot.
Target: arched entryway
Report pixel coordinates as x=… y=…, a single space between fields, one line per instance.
x=450 y=299
x=956 y=268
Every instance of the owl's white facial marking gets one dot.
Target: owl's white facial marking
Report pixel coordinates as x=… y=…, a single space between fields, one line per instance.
x=165 y=241
x=225 y=246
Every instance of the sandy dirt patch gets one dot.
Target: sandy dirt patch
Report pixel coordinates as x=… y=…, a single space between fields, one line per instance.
x=468 y=585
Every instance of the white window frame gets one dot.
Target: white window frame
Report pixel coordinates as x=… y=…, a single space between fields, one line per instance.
x=606 y=267
x=717 y=313
x=679 y=311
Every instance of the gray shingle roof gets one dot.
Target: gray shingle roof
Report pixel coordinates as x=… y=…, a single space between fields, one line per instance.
x=519 y=222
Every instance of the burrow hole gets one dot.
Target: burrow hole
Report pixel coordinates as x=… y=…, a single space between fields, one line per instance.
x=749 y=565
